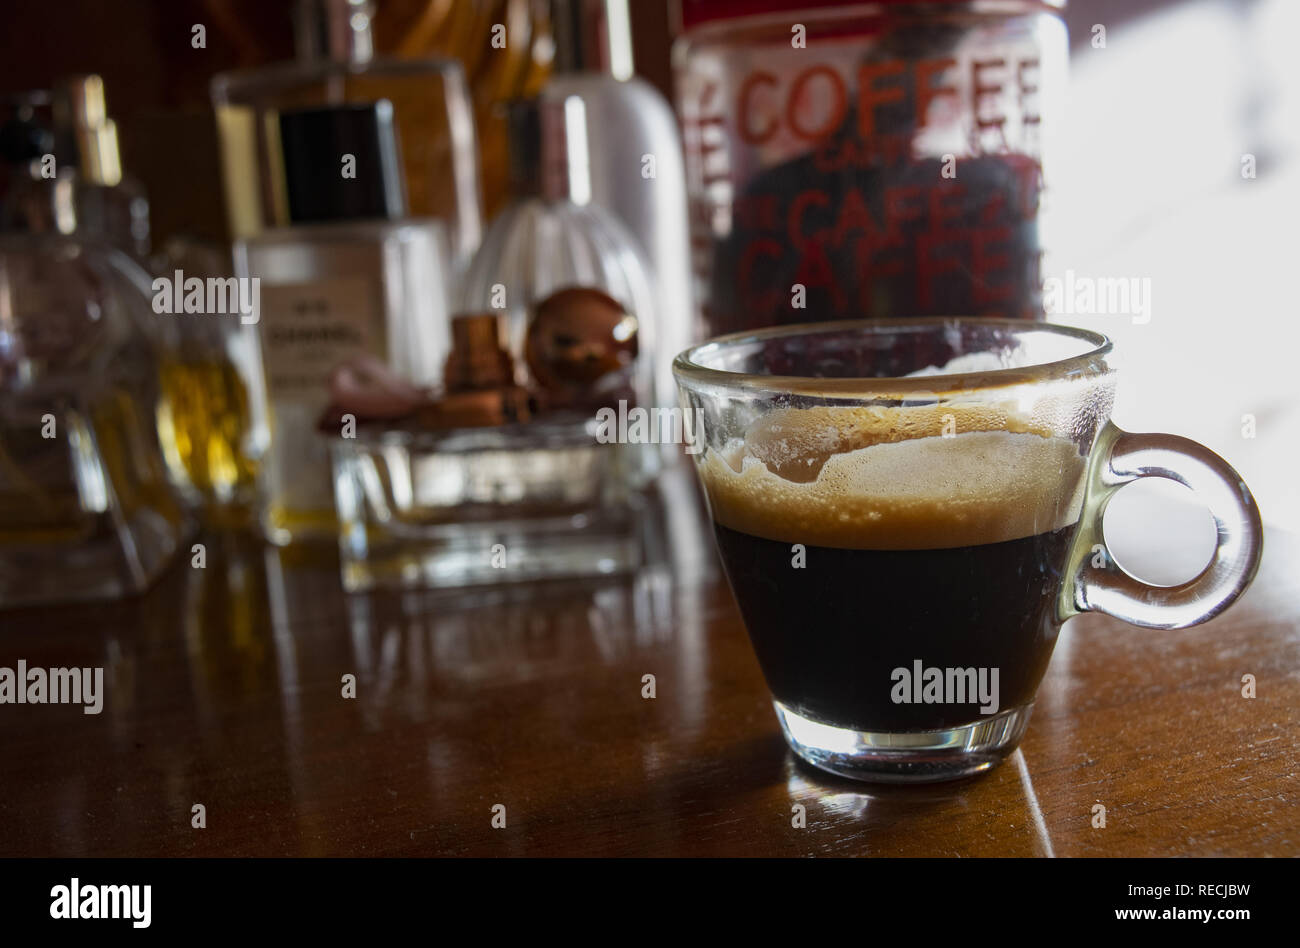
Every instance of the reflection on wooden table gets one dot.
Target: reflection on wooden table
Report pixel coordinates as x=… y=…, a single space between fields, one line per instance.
x=225 y=688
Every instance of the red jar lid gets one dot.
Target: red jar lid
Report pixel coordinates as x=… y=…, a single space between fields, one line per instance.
x=694 y=12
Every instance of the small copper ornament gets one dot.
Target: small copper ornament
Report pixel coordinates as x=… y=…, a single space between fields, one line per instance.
x=478 y=359
x=479 y=387
x=479 y=380
x=581 y=348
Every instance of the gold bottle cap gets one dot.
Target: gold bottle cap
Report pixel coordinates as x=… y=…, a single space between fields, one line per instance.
x=101 y=160
x=81 y=107
x=83 y=99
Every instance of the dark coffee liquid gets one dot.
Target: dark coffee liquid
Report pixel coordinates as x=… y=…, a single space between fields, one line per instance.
x=829 y=635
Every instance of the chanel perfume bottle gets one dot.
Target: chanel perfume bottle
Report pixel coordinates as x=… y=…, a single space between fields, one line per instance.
x=432 y=115
x=79 y=188
x=352 y=277
x=86 y=506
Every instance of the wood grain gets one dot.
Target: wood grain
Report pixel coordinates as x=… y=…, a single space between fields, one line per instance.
x=224 y=688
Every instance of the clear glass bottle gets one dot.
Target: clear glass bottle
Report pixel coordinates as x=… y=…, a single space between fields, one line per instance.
x=212 y=416
x=87 y=509
x=211 y=413
x=552 y=237
x=80 y=188
x=433 y=117
x=352 y=277
x=483 y=483
x=634 y=158
x=432 y=507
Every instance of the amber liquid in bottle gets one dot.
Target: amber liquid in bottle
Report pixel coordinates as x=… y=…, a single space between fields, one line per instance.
x=205 y=424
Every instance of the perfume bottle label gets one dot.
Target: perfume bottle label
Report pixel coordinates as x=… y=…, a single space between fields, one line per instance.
x=309 y=328
x=306 y=330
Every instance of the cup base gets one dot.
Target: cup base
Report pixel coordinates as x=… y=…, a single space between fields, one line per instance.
x=905 y=756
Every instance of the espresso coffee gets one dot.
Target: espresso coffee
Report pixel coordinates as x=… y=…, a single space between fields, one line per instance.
x=896 y=574
x=830 y=636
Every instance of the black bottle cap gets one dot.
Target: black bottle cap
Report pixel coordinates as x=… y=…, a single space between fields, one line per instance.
x=547 y=148
x=524 y=146
x=320 y=185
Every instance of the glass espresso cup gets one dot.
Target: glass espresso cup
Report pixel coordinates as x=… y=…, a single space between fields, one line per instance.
x=909 y=510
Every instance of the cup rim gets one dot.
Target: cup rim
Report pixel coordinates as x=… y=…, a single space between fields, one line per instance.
x=687 y=367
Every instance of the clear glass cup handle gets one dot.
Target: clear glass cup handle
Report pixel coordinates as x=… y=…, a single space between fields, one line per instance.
x=1095 y=583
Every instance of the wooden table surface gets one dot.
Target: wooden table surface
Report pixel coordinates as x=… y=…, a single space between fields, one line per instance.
x=224 y=688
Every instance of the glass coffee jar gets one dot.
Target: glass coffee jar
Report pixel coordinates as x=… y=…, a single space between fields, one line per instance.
x=874 y=159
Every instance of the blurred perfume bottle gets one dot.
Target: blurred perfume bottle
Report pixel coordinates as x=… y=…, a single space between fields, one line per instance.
x=552 y=237
x=435 y=486
x=432 y=116
x=546 y=244
x=79 y=187
x=497 y=71
x=634 y=157
x=353 y=276
x=87 y=509
x=211 y=412
x=212 y=419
